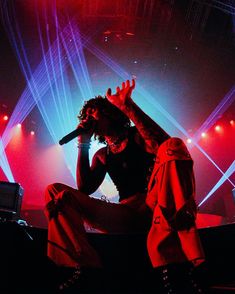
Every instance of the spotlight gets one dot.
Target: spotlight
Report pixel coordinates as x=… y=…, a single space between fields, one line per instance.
x=203 y=134
x=108 y=32
x=130 y=34
x=232 y=122
x=32 y=133
x=19 y=126
x=5 y=117
x=218 y=128
x=189 y=141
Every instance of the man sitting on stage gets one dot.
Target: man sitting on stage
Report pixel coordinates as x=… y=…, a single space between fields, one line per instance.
x=128 y=158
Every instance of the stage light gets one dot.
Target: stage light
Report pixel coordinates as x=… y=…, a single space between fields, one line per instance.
x=19 y=126
x=189 y=141
x=218 y=128
x=203 y=134
x=232 y=122
x=32 y=133
x=216 y=113
x=107 y=32
x=5 y=117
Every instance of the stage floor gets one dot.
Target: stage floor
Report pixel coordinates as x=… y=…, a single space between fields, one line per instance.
x=26 y=269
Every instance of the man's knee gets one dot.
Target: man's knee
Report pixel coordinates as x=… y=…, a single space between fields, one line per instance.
x=55 y=187
x=52 y=190
x=57 y=204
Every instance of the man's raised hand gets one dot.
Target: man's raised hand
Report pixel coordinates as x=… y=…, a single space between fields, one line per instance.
x=122 y=94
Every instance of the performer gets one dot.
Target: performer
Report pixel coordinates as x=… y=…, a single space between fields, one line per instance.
x=127 y=158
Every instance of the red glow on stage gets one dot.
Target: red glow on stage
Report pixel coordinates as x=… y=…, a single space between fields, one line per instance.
x=232 y=122
x=29 y=161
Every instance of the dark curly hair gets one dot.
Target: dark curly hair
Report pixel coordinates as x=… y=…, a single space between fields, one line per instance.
x=118 y=120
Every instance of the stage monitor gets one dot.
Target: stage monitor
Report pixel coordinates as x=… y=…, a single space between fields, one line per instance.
x=11 y=195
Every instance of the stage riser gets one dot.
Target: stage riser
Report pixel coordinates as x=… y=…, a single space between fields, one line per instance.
x=24 y=262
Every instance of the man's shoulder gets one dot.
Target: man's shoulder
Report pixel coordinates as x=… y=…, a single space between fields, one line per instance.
x=101 y=154
x=102 y=150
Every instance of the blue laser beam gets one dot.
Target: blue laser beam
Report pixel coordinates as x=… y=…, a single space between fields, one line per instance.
x=5 y=164
x=226 y=175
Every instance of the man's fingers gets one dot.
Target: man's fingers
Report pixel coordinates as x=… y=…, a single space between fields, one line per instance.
x=133 y=84
x=109 y=92
x=125 y=85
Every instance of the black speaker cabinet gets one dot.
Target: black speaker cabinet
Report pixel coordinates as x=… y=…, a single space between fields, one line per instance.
x=11 y=195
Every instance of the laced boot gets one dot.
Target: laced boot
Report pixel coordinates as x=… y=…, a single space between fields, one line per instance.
x=72 y=280
x=179 y=279
x=167 y=283
x=83 y=280
x=196 y=287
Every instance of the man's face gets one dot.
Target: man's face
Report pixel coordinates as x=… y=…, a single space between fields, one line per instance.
x=103 y=123
x=93 y=113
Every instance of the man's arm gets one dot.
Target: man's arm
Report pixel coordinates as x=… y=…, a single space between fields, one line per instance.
x=150 y=131
x=89 y=178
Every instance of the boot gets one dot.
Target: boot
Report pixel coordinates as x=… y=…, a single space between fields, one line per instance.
x=71 y=281
x=180 y=279
x=168 y=287
x=82 y=280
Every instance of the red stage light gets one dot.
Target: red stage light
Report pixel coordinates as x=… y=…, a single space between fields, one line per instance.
x=218 y=128
x=107 y=32
x=32 y=133
x=5 y=117
x=130 y=34
x=232 y=122
x=203 y=134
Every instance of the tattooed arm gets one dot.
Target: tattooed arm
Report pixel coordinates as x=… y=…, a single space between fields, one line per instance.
x=150 y=131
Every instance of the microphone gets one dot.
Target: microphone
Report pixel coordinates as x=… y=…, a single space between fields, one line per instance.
x=72 y=135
